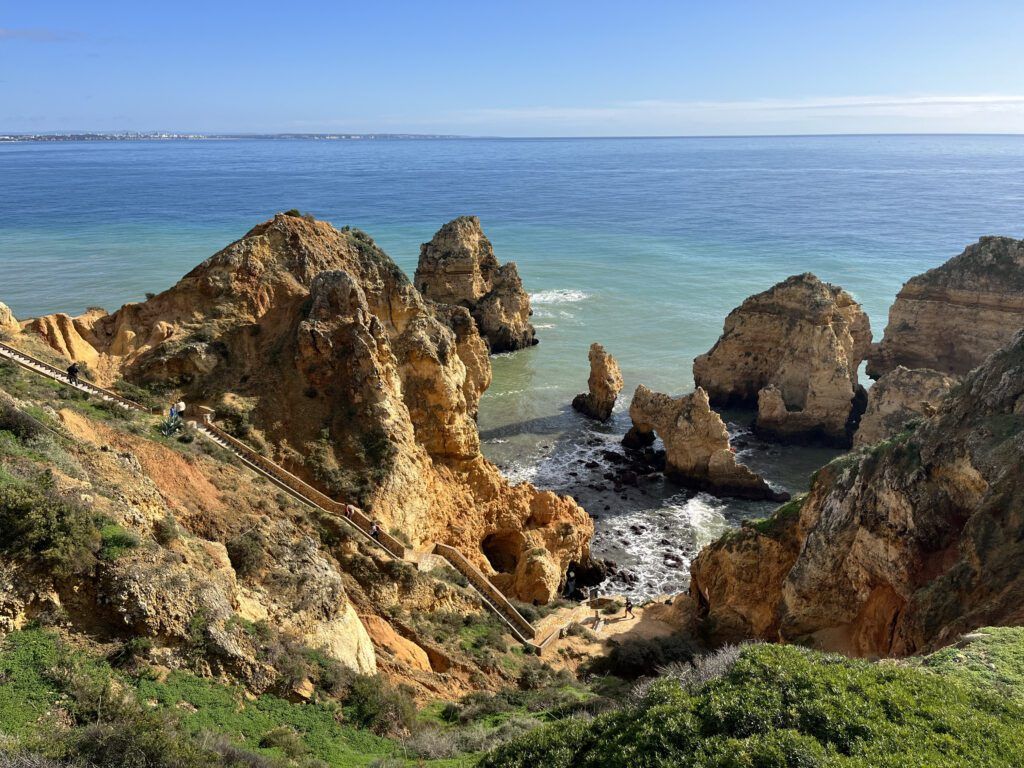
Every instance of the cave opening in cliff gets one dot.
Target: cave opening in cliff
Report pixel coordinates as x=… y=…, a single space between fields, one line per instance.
x=502 y=550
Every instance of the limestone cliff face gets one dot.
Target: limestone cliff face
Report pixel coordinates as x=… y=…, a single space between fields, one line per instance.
x=352 y=381
x=604 y=385
x=8 y=323
x=793 y=351
x=458 y=266
x=954 y=316
x=899 y=547
x=696 y=442
x=898 y=397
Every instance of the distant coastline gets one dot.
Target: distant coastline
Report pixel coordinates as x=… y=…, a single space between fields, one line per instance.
x=163 y=136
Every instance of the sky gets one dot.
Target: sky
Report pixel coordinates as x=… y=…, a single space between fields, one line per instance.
x=514 y=68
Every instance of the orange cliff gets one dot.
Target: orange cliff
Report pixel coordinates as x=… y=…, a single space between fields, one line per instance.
x=314 y=340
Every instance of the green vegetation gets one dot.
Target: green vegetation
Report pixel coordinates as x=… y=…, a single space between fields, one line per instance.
x=115 y=720
x=788 y=706
x=46 y=529
x=781 y=518
x=992 y=657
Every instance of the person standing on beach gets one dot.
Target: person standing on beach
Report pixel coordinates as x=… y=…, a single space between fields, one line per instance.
x=629 y=609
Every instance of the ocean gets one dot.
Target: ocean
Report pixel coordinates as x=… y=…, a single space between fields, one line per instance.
x=641 y=244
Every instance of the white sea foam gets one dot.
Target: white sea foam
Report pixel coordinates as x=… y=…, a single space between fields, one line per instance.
x=558 y=296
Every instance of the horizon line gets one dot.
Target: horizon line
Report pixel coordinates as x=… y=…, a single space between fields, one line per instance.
x=158 y=135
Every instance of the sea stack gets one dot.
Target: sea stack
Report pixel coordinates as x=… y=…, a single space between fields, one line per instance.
x=899 y=397
x=605 y=383
x=793 y=352
x=697 y=452
x=458 y=266
x=954 y=316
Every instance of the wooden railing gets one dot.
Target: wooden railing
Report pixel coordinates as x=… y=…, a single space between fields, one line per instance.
x=38 y=366
x=492 y=597
x=501 y=604
x=357 y=518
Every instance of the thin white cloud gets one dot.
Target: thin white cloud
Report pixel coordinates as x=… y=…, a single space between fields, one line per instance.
x=923 y=113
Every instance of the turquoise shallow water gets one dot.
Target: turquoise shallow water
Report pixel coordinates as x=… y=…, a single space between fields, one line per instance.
x=642 y=244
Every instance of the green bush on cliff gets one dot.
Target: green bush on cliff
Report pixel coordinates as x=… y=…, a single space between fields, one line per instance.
x=42 y=527
x=783 y=706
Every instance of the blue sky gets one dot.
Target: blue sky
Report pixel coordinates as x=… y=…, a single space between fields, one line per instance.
x=520 y=68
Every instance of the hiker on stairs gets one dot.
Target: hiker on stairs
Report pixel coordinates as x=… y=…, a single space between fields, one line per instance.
x=73 y=370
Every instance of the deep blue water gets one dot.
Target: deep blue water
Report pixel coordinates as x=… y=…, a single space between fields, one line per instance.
x=642 y=244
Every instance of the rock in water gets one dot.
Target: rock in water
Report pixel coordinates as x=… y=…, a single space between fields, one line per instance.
x=897 y=549
x=353 y=381
x=898 y=397
x=697 y=451
x=458 y=267
x=954 y=316
x=605 y=383
x=803 y=341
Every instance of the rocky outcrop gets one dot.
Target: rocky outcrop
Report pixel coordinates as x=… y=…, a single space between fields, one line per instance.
x=351 y=380
x=605 y=383
x=8 y=323
x=901 y=395
x=458 y=267
x=954 y=316
x=801 y=340
x=697 y=451
x=898 y=548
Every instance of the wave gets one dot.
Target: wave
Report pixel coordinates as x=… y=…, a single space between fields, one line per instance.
x=559 y=296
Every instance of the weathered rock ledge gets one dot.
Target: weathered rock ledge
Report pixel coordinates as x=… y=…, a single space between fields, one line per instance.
x=604 y=385
x=898 y=397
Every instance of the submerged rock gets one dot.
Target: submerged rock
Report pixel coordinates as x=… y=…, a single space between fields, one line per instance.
x=898 y=548
x=898 y=397
x=697 y=451
x=605 y=384
x=802 y=340
x=954 y=316
x=458 y=267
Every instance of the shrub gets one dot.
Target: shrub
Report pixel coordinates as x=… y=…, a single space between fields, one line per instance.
x=246 y=552
x=165 y=530
x=48 y=529
x=373 y=704
x=285 y=739
x=115 y=541
x=16 y=421
x=642 y=656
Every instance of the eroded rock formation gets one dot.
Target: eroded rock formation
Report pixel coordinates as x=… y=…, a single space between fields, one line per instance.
x=351 y=380
x=458 y=266
x=901 y=395
x=697 y=451
x=898 y=548
x=954 y=316
x=604 y=385
x=801 y=340
x=8 y=323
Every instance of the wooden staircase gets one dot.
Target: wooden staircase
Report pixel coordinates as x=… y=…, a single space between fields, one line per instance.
x=302 y=491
